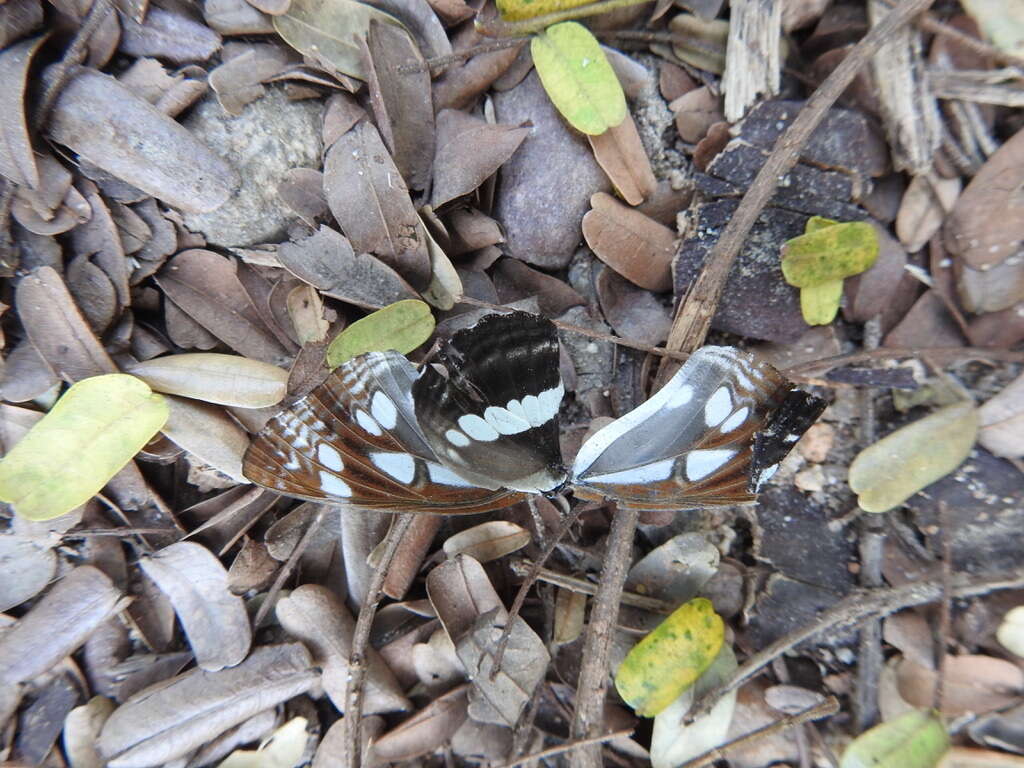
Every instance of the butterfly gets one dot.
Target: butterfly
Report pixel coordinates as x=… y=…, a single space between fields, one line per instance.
x=477 y=430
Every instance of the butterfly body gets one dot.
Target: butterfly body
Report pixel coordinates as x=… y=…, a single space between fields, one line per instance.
x=479 y=431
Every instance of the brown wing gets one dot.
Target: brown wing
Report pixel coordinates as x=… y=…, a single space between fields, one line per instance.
x=354 y=440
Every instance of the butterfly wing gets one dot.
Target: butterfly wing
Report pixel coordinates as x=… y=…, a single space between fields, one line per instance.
x=354 y=439
x=494 y=417
x=709 y=437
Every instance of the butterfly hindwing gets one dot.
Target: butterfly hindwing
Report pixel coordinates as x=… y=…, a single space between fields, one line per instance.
x=355 y=439
x=693 y=443
x=494 y=416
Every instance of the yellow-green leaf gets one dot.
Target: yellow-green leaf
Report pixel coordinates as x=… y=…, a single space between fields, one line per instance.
x=915 y=739
x=829 y=251
x=518 y=10
x=401 y=326
x=578 y=78
x=329 y=31
x=671 y=658
x=887 y=473
x=820 y=303
x=87 y=437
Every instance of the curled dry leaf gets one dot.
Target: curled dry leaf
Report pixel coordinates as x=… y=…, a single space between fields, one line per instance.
x=677 y=570
x=314 y=615
x=215 y=378
x=215 y=621
x=925 y=205
x=488 y=541
x=81 y=729
x=208 y=433
x=474 y=618
x=624 y=160
x=1002 y=421
x=17 y=159
x=206 y=286
x=987 y=223
x=469 y=151
x=57 y=329
x=1011 y=631
x=284 y=748
x=889 y=472
x=174 y=717
x=423 y=733
x=92 y=432
x=445 y=285
x=58 y=624
x=371 y=202
x=306 y=310
x=326 y=261
x=637 y=247
x=124 y=135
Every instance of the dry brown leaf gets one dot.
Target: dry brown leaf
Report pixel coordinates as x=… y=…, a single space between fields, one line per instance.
x=371 y=202
x=100 y=239
x=637 y=247
x=424 y=732
x=472 y=230
x=412 y=551
x=326 y=261
x=168 y=35
x=207 y=432
x=633 y=312
x=999 y=287
x=972 y=684
x=239 y=80
x=108 y=125
x=205 y=285
x=93 y=293
x=487 y=541
x=215 y=621
x=314 y=615
x=399 y=85
x=26 y=374
x=56 y=625
x=870 y=293
x=515 y=281
x=1002 y=421
x=236 y=17
x=623 y=158
x=29 y=564
x=81 y=729
x=215 y=378
x=302 y=190
x=17 y=159
x=696 y=111
x=927 y=324
x=469 y=151
x=333 y=749
x=57 y=329
x=924 y=207
x=306 y=310
x=17 y=19
x=570 y=610
x=174 y=717
x=987 y=224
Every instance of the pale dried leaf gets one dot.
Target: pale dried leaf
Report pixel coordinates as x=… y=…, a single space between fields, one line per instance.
x=624 y=160
x=972 y=683
x=487 y=541
x=81 y=730
x=207 y=432
x=424 y=732
x=214 y=620
x=925 y=205
x=28 y=566
x=1002 y=421
x=17 y=160
x=168 y=35
x=215 y=378
x=174 y=717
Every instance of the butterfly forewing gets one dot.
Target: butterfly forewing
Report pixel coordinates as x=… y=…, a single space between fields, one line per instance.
x=692 y=443
x=355 y=439
x=493 y=415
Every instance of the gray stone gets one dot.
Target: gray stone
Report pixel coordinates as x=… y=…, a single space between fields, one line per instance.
x=545 y=189
x=271 y=136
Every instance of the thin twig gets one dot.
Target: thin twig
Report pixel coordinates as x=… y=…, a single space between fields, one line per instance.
x=561 y=749
x=442 y=62
x=822 y=709
x=524 y=567
x=361 y=638
x=947 y=355
x=850 y=612
x=588 y=715
x=694 y=316
x=944 y=607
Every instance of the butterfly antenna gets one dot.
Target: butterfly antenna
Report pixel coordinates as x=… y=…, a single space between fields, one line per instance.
x=569 y=517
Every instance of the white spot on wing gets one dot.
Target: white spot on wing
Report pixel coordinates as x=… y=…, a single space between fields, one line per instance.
x=504 y=422
x=735 y=420
x=329 y=457
x=679 y=398
x=764 y=476
x=366 y=422
x=444 y=476
x=400 y=466
x=700 y=464
x=293 y=464
x=383 y=410
x=333 y=485
x=516 y=409
x=532 y=407
x=456 y=438
x=477 y=428
x=551 y=400
x=717 y=407
x=648 y=473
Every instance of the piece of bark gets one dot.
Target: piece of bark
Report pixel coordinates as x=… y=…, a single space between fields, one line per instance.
x=753 y=54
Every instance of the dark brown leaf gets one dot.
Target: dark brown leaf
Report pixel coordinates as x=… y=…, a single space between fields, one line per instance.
x=871 y=292
x=462 y=83
x=927 y=324
x=633 y=312
x=371 y=202
x=425 y=731
x=637 y=247
x=93 y=293
x=168 y=35
x=469 y=150
x=238 y=80
x=302 y=190
x=622 y=156
x=100 y=238
x=515 y=280
x=399 y=85
x=107 y=124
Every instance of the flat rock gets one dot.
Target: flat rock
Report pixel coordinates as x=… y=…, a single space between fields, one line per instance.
x=545 y=189
x=271 y=136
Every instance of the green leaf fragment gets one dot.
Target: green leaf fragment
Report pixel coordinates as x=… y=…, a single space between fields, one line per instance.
x=820 y=303
x=915 y=739
x=887 y=473
x=95 y=428
x=671 y=658
x=401 y=326
x=578 y=78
